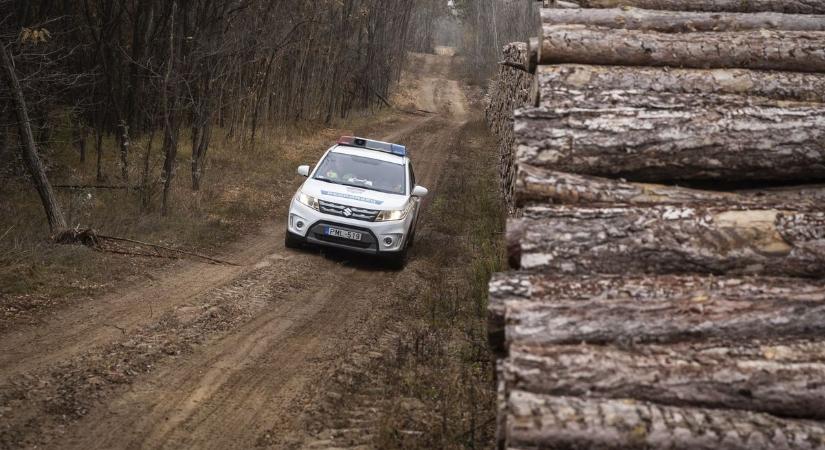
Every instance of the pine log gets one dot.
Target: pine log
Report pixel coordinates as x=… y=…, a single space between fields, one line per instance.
x=676 y=141
x=668 y=239
x=561 y=423
x=749 y=6
x=515 y=296
x=629 y=321
x=681 y=21
x=785 y=380
x=539 y=185
x=802 y=51
x=798 y=86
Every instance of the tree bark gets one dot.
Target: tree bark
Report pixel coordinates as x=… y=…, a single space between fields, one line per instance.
x=541 y=421
x=171 y=127
x=803 y=87
x=28 y=147
x=675 y=137
x=802 y=51
x=681 y=21
x=676 y=303
x=668 y=239
x=538 y=185
x=508 y=91
x=750 y=6
x=123 y=140
x=628 y=321
x=783 y=379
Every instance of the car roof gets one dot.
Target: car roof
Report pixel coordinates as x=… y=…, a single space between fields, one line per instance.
x=367 y=153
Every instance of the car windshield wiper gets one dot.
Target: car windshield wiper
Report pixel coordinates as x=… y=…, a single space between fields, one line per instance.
x=328 y=180
x=386 y=191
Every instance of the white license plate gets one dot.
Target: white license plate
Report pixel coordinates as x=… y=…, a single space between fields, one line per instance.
x=355 y=236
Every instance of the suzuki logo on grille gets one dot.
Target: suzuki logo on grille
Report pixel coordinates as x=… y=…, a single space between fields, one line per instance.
x=347 y=212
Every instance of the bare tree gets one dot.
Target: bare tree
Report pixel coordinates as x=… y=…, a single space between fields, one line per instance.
x=28 y=148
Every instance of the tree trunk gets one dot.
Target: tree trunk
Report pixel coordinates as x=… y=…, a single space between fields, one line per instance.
x=28 y=147
x=803 y=87
x=99 y=151
x=542 y=421
x=675 y=137
x=80 y=140
x=680 y=307
x=171 y=127
x=123 y=139
x=199 y=152
x=535 y=184
x=750 y=6
x=802 y=51
x=784 y=379
x=681 y=21
x=145 y=188
x=667 y=239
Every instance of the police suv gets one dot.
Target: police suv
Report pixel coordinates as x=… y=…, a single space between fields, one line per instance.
x=361 y=196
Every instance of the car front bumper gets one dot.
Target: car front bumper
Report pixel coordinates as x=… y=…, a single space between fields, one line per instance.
x=309 y=224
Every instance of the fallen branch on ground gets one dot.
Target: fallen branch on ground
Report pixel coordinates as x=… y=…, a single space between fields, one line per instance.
x=112 y=244
x=92 y=186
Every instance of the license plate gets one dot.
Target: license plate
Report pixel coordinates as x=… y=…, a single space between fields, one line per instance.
x=353 y=235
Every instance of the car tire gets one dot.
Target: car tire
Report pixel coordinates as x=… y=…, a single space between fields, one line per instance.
x=397 y=260
x=292 y=240
x=411 y=239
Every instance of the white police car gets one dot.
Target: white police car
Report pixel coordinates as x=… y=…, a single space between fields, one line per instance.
x=361 y=196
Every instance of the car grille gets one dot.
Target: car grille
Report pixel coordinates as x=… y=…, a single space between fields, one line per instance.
x=367 y=215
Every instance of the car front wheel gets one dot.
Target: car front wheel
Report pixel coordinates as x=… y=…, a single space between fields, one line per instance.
x=292 y=241
x=397 y=260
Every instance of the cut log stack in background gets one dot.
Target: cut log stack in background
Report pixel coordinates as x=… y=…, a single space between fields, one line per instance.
x=665 y=291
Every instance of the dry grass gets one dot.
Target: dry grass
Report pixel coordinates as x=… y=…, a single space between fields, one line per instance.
x=440 y=367
x=241 y=188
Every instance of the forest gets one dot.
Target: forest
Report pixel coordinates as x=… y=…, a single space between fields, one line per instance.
x=148 y=154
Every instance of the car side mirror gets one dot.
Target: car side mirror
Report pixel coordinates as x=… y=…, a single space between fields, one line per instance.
x=303 y=171
x=420 y=191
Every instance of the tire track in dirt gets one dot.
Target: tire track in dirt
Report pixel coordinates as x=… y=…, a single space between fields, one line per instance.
x=247 y=378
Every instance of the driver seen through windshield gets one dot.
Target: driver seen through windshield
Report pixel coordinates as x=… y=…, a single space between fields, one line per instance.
x=362 y=172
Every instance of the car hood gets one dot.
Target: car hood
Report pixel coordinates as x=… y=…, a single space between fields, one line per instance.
x=353 y=196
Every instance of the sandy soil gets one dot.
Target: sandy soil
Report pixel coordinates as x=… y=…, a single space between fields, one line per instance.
x=209 y=356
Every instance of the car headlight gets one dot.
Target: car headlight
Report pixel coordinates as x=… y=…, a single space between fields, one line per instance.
x=395 y=214
x=308 y=200
x=385 y=216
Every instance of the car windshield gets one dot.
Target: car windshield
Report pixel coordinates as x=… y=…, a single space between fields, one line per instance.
x=362 y=172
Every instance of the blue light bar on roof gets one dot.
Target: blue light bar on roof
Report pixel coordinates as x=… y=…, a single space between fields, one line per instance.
x=370 y=144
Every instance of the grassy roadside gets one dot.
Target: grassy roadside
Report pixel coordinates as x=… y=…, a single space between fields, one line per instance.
x=442 y=359
x=241 y=188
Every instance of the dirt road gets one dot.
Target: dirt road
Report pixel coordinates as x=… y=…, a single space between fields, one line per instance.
x=208 y=356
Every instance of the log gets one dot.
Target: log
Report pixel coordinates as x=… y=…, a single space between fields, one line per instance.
x=681 y=21
x=629 y=321
x=516 y=296
x=668 y=239
x=542 y=421
x=750 y=6
x=539 y=185
x=798 y=86
x=784 y=380
x=801 y=51
x=676 y=142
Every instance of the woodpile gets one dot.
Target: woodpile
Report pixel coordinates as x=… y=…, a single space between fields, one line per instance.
x=667 y=282
x=510 y=90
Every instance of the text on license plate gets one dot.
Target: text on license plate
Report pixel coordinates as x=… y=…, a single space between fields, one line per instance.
x=355 y=236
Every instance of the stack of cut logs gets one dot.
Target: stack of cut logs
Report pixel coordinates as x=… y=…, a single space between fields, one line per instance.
x=510 y=89
x=668 y=282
